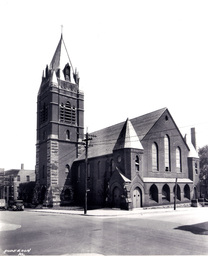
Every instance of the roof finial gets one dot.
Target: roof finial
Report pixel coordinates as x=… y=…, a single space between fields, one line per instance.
x=61 y=30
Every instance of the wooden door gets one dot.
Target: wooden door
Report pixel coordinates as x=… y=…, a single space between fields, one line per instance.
x=136 y=198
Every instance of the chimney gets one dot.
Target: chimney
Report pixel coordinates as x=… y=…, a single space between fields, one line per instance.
x=22 y=166
x=193 y=137
x=185 y=138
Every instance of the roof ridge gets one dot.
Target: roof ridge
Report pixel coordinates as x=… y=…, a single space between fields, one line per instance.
x=165 y=108
x=158 y=110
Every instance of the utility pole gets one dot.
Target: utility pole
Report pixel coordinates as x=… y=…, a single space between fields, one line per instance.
x=175 y=198
x=86 y=140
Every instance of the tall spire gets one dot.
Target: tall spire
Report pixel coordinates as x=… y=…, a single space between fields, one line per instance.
x=61 y=59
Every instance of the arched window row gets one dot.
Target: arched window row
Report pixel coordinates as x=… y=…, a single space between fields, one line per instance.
x=99 y=168
x=167 y=158
x=166 y=192
x=67 y=113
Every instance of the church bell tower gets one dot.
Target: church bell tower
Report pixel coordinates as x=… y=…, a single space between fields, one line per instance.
x=60 y=129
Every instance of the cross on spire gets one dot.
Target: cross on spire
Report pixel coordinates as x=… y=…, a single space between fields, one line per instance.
x=62 y=29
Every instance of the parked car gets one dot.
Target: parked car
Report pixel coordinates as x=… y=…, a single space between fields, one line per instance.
x=16 y=205
x=3 y=204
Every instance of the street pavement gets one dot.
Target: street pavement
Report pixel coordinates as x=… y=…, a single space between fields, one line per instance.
x=165 y=231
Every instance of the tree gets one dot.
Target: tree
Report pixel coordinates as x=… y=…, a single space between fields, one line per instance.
x=203 y=161
x=26 y=191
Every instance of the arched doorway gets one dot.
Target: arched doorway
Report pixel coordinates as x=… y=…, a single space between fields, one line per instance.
x=178 y=196
x=116 y=197
x=137 y=198
x=166 y=193
x=67 y=194
x=153 y=193
x=187 y=191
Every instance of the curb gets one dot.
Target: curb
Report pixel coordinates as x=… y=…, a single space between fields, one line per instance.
x=113 y=213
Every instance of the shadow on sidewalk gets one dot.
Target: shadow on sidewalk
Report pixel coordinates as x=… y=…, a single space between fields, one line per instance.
x=197 y=229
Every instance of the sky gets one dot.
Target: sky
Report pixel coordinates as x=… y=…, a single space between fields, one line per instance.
x=133 y=57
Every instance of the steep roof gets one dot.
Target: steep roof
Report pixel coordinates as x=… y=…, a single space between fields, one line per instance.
x=105 y=140
x=128 y=137
x=60 y=60
x=60 y=57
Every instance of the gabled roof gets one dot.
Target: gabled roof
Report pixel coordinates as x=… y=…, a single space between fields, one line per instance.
x=124 y=177
x=118 y=177
x=144 y=123
x=12 y=172
x=105 y=140
x=128 y=138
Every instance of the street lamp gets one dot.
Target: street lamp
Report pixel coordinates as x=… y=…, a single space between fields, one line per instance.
x=175 y=198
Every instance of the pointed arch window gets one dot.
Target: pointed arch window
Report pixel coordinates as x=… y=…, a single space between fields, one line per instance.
x=167 y=153
x=43 y=114
x=62 y=112
x=155 y=165
x=111 y=166
x=196 y=167
x=67 y=72
x=153 y=193
x=67 y=172
x=68 y=113
x=178 y=159
x=137 y=163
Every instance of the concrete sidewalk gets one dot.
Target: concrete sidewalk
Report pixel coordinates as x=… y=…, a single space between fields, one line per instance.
x=107 y=212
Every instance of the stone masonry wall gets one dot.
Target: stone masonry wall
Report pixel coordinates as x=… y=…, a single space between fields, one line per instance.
x=53 y=191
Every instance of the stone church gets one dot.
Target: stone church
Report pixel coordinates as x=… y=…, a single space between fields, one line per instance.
x=144 y=161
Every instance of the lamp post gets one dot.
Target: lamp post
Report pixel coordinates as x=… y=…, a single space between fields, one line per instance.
x=86 y=173
x=175 y=198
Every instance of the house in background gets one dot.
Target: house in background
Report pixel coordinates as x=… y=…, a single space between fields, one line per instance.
x=131 y=164
x=12 y=180
x=2 y=189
